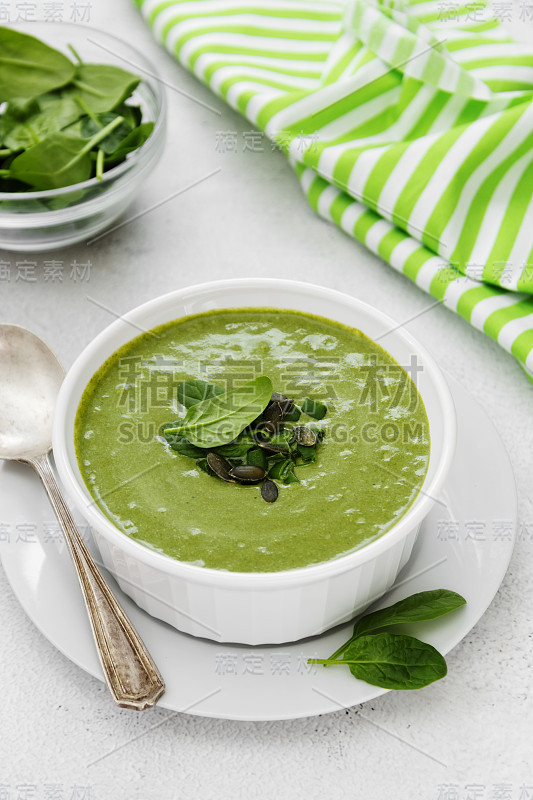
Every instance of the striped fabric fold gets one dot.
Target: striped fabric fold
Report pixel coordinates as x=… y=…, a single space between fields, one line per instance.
x=408 y=124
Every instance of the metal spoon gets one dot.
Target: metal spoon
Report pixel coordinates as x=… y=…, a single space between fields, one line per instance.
x=30 y=377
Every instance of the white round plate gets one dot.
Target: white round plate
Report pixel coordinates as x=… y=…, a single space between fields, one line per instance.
x=465 y=544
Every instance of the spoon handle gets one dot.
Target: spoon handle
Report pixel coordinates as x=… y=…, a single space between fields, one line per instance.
x=131 y=674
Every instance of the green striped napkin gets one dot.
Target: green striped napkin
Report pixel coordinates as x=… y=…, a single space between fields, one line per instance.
x=409 y=125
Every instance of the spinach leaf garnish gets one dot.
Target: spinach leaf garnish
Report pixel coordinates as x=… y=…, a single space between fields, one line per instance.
x=308 y=454
x=283 y=470
x=242 y=436
x=257 y=457
x=191 y=392
x=294 y=414
x=62 y=123
x=314 y=408
x=392 y=660
x=179 y=443
x=220 y=419
x=238 y=448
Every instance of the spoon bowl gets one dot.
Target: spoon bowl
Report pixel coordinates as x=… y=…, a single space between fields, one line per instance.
x=30 y=379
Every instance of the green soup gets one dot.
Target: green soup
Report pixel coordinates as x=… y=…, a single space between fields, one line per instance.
x=369 y=468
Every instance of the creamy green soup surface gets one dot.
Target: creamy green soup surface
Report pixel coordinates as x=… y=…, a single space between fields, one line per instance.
x=370 y=464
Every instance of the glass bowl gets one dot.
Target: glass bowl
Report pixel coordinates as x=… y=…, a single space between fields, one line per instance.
x=44 y=220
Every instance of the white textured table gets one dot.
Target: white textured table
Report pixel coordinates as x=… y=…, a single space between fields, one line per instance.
x=251 y=219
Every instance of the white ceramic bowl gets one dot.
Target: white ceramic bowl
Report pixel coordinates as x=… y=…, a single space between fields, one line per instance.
x=256 y=608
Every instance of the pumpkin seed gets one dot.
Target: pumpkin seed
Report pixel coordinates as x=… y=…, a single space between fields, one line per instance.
x=304 y=436
x=270 y=447
x=270 y=427
x=286 y=406
x=272 y=416
x=269 y=491
x=277 y=408
x=221 y=467
x=248 y=473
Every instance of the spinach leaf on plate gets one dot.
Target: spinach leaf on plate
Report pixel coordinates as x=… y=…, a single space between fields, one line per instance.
x=418 y=607
x=394 y=661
